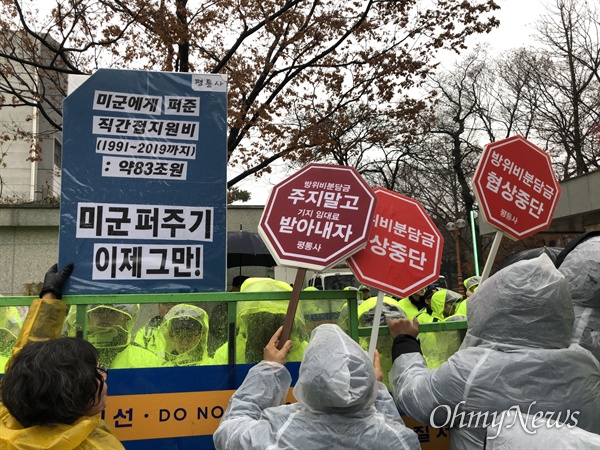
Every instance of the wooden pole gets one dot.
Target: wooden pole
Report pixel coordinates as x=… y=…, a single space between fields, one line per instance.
x=292 y=306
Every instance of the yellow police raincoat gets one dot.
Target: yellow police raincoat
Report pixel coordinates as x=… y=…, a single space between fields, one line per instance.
x=195 y=356
x=258 y=320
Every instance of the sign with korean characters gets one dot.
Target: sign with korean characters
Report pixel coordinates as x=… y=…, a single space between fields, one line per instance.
x=179 y=408
x=404 y=250
x=318 y=216
x=143 y=201
x=516 y=187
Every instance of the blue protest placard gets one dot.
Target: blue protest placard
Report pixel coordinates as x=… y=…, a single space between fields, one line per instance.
x=144 y=181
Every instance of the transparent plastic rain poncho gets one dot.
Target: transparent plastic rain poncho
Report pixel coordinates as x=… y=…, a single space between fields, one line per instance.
x=515 y=431
x=182 y=339
x=110 y=331
x=340 y=403
x=516 y=353
x=581 y=268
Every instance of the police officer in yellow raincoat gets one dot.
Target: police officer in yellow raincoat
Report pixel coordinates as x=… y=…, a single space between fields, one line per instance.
x=182 y=338
x=257 y=321
x=366 y=315
x=110 y=331
x=438 y=346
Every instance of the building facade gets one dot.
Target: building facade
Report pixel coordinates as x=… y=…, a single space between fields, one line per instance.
x=30 y=142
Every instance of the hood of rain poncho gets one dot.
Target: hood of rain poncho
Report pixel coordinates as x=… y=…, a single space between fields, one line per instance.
x=258 y=320
x=527 y=304
x=581 y=268
x=336 y=374
x=472 y=282
x=440 y=298
x=390 y=309
x=107 y=336
x=190 y=312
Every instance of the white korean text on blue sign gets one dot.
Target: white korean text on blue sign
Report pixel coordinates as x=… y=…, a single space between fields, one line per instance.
x=143 y=199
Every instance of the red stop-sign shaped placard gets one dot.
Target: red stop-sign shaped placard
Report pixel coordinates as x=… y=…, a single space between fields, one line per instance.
x=318 y=216
x=516 y=187
x=404 y=251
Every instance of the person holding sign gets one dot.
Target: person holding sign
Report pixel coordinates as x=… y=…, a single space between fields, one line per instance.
x=517 y=354
x=342 y=401
x=54 y=389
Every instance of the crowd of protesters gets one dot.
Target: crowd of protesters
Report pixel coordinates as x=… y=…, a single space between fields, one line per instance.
x=531 y=349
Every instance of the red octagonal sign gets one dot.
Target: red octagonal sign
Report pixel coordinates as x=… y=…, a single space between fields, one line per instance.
x=318 y=216
x=516 y=187
x=404 y=251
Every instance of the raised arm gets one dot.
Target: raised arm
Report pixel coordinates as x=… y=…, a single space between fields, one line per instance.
x=46 y=315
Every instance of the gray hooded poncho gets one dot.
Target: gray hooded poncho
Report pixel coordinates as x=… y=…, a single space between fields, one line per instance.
x=516 y=354
x=340 y=403
x=581 y=268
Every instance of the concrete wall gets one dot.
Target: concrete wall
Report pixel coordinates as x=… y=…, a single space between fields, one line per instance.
x=29 y=245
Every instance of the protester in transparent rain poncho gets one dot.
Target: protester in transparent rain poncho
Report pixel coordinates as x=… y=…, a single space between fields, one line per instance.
x=109 y=329
x=256 y=321
x=516 y=354
x=183 y=337
x=580 y=264
x=342 y=402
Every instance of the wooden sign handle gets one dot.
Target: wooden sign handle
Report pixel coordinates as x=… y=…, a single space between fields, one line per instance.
x=292 y=306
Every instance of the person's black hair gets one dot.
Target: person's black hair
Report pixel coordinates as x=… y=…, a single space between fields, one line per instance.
x=238 y=280
x=52 y=382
